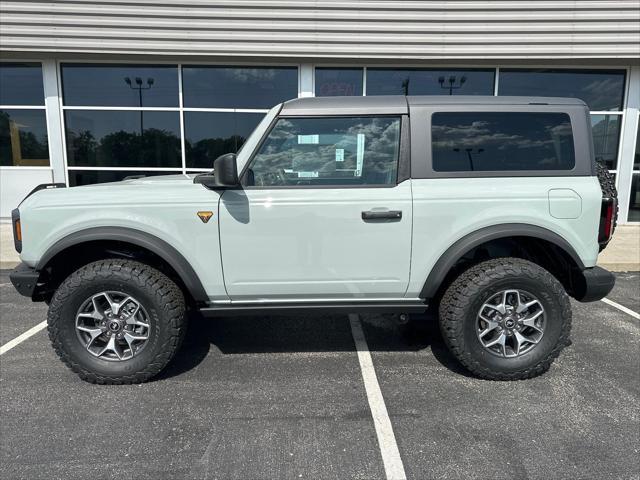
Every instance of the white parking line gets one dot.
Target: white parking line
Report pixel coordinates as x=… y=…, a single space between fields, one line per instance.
x=386 y=439
x=21 y=338
x=622 y=308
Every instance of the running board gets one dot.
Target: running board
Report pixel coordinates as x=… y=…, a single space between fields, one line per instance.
x=288 y=308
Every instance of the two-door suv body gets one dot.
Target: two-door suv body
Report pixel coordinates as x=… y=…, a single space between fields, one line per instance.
x=490 y=209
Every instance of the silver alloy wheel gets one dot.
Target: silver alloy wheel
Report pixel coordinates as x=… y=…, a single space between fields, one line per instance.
x=510 y=323
x=112 y=325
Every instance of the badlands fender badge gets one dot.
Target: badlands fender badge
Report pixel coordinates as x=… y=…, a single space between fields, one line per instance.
x=205 y=216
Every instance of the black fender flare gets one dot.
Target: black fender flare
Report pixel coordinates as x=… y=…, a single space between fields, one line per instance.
x=136 y=237
x=456 y=251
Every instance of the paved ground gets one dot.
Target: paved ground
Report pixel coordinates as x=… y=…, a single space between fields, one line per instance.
x=278 y=398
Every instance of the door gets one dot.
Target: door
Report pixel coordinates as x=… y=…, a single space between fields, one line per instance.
x=320 y=214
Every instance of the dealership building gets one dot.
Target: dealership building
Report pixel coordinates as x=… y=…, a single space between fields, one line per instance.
x=95 y=91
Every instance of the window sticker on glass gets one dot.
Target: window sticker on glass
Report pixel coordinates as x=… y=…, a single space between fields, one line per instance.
x=308 y=139
x=307 y=174
x=359 y=154
x=339 y=154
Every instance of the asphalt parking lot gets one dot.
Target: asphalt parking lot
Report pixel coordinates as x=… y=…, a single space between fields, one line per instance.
x=281 y=397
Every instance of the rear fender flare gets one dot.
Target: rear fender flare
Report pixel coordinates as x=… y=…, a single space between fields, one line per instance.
x=456 y=251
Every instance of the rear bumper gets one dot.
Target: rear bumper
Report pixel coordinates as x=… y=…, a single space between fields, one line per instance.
x=24 y=279
x=593 y=284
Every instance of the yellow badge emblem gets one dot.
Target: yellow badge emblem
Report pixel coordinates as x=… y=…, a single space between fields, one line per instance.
x=205 y=216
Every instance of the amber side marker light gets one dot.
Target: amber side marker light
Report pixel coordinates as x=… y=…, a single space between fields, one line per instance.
x=18 y=230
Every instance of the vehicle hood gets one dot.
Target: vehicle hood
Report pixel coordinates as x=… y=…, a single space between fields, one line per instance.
x=137 y=191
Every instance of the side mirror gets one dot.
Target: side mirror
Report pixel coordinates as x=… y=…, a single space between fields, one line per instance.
x=224 y=175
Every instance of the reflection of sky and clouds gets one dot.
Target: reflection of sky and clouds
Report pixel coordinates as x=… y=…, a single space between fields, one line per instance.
x=238 y=87
x=600 y=89
x=285 y=151
x=104 y=85
x=488 y=141
x=385 y=81
x=21 y=84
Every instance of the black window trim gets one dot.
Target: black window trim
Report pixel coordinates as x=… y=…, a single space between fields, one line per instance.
x=403 y=165
x=422 y=161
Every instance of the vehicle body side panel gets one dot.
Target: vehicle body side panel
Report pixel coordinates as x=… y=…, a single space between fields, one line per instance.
x=167 y=211
x=312 y=243
x=447 y=209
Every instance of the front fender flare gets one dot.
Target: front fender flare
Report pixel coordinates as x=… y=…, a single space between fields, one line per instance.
x=456 y=251
x=136 y=237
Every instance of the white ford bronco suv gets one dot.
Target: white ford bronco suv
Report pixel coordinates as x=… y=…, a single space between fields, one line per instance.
x=490 y=209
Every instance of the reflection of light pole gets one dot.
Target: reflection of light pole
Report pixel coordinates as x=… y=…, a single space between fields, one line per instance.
x=139 y=87
x=452 y=81
x=469 y=152
x=405 y=86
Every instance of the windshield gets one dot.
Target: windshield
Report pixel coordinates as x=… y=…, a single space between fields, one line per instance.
x=250 y=144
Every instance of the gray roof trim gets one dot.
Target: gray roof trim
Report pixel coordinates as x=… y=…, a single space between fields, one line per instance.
x=398 y=104
x=490 y=100
x=380 y=105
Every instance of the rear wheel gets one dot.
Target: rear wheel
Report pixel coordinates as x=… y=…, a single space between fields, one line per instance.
x=506 y=319
x=116 y=321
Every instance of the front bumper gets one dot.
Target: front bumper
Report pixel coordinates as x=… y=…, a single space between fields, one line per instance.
x=593 y=284
x=24 y=279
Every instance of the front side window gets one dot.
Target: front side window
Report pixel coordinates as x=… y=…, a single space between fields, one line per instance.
x=341 y=151
x=501 y=141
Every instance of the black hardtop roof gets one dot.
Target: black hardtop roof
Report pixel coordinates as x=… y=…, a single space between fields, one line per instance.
x=398 y=104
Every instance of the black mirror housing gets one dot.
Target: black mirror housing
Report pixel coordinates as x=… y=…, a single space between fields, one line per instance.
x=224 y=175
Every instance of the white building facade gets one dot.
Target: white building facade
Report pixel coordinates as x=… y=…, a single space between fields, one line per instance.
x=94 y=91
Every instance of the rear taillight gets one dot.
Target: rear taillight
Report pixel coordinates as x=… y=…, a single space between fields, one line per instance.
x=17 y=230
x=607 y=215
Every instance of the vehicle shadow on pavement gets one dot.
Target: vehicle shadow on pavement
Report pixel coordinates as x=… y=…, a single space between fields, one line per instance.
x=306 y=333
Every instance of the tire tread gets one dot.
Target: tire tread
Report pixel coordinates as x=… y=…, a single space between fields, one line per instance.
x=169 y=298
x=460 y=294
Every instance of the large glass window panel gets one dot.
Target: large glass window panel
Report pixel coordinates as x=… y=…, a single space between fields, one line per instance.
x=120 y=85
x=501 y=141
x=328 y=151
x=606 y=138
x=88 y=177
x=634 y=199
x=386 y=81
x=600 y=89
x=21 y=84
x=636 y=158
x=23 y=138
x=101 y=138
x=211 y=134
x=238 y=87
x=333 y=82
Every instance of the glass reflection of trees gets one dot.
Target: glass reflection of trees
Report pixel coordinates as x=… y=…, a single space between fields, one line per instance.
x=154 y=148
x=27 y=148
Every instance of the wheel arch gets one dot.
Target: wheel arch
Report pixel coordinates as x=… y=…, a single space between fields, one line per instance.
x=151 y=243
x=448 y=260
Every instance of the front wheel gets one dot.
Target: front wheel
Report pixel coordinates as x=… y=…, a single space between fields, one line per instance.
x=506 y=319
x=116 y=321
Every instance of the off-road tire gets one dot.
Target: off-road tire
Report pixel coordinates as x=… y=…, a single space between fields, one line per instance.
x=608 y=187
x=465 y=296
x=161 y=298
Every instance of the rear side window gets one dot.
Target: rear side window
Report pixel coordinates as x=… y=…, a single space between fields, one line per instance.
x=501 y=141
x=328 y=151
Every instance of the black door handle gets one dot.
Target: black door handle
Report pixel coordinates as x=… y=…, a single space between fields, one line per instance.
x=382 y=215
